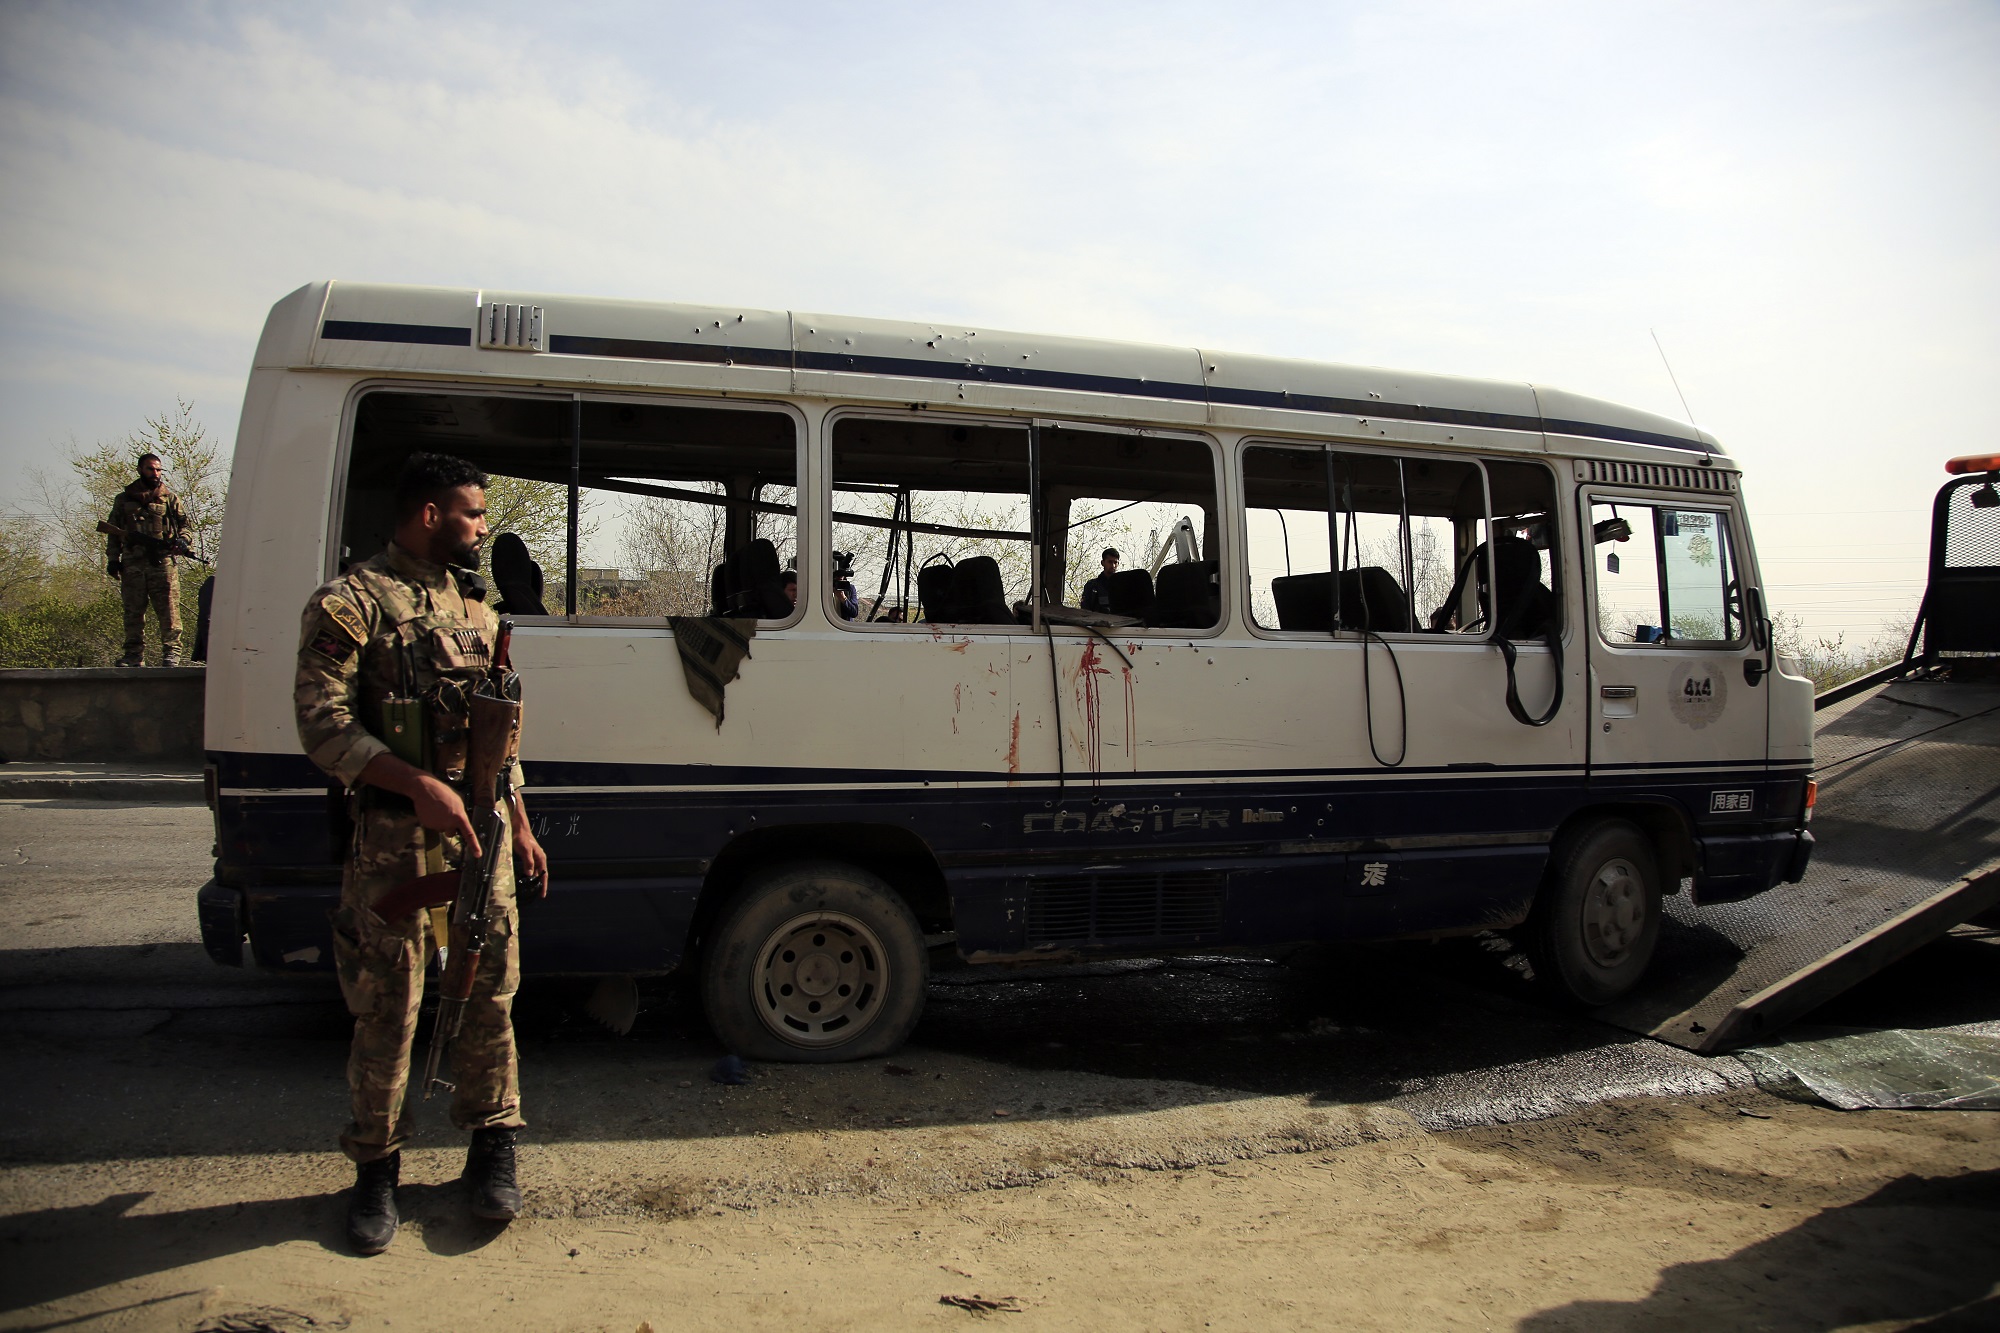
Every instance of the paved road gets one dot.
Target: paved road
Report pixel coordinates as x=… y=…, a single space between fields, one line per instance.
x=103 y=970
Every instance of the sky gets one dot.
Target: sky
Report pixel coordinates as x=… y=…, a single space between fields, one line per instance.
x=1800 y=202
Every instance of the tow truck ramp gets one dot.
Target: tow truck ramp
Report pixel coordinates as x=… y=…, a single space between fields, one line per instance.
x=1908 y=819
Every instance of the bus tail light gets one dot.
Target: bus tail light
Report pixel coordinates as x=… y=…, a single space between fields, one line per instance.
x=1812 y=797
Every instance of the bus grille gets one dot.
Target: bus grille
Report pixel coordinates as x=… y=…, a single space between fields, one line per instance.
x=1096 y=909
x=1665 y=476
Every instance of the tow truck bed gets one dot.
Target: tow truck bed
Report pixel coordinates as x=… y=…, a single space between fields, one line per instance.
x=1908 y=829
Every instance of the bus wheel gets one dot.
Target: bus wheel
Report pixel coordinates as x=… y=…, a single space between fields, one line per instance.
x=1597 y=918
x=818 y=961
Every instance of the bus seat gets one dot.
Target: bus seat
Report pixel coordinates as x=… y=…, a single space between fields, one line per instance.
x=1187 y=596
x=1528 y=610
x=1304 y=601
x=751 y=583
x=934 y=593
x=1370 y=598
x=1130 y=592
x=517 y=576
x=978 y=594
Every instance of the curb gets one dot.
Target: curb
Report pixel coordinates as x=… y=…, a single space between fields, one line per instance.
x=184 y=791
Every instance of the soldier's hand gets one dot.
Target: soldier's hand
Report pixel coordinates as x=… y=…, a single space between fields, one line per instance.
x=439 y=808
x=532 y=861
x=114 y=568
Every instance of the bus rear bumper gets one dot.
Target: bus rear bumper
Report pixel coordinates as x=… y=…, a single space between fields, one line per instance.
x=1739 y=866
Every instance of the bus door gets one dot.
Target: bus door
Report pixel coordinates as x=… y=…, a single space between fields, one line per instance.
x=1677 y=697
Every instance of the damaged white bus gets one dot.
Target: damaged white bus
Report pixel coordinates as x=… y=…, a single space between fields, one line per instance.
x=1383 y=656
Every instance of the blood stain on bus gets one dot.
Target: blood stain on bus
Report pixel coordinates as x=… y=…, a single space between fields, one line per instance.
x=1014 y=746
x=1088 y=668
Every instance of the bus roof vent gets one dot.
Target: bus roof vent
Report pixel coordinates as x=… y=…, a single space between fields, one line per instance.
x=511 y=328
x=1662 y=476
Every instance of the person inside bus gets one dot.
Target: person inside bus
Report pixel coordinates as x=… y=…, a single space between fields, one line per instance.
x=845 y=599
x=1096 y=595
x=791 y=578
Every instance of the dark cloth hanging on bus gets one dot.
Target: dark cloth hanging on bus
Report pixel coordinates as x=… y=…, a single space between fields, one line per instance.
x=711 y=649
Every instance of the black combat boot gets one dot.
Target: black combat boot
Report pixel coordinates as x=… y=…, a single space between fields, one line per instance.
x=489 y=1167
x=371 y=1209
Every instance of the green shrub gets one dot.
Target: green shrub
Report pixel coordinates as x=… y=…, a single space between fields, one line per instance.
x=51 y=631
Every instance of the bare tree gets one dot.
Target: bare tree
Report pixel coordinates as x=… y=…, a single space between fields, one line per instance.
x=73 y=502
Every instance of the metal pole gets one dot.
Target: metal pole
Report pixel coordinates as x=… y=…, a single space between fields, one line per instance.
x=575 y=484
x=1036 y=533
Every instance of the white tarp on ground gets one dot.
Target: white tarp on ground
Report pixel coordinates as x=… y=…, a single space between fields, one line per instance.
x=1857 y=1068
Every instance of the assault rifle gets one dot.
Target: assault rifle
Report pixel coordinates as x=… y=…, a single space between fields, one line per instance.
x=492 y=742
x=155 y=545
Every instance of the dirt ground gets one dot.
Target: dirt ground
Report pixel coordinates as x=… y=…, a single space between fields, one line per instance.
x=1370 y=1142
x=1734 y=1211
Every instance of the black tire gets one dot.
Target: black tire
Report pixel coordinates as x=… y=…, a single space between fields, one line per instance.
x=1596 y=920
x=815 y=962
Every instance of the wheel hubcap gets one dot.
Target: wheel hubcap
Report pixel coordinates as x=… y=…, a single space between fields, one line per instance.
x=820 y=979
x=1614 y=912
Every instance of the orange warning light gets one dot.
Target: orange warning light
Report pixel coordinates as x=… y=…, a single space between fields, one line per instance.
x=1812 y=797
x=1973 y=463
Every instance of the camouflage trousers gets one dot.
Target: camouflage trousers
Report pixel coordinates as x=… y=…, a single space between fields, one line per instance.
x=381 y=965
x=142 y=582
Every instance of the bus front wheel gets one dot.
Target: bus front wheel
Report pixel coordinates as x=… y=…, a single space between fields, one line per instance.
x=1597 y=919
x=815 y=962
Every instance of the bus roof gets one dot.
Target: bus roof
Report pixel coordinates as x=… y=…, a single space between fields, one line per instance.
x=466 y=332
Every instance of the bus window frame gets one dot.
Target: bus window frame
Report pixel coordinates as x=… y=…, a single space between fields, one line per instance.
x=1030 y=425
x=350 y=410
x=1589 y=495
x=1330 y=446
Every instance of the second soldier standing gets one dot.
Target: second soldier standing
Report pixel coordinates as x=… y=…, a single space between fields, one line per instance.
x=411 y=624
x=146 y=519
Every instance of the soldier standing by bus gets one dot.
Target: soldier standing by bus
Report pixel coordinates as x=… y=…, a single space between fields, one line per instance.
x=408 y=634
x=146 y=522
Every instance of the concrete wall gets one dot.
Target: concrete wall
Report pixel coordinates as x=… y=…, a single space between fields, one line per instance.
x=101 y=715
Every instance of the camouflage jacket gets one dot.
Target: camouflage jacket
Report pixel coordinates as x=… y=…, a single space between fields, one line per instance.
x=392 y=625
x=144 y=517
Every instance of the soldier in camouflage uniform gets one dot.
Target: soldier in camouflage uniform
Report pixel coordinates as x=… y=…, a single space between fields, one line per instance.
x=412 y=623
x=147 y=516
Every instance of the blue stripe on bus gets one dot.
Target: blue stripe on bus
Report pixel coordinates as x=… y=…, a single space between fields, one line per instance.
x=440 y=335
x=644 y=349
x=290 y=772
x=1463 y=849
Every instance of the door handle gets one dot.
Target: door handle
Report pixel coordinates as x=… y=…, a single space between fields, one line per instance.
x=1619 y=692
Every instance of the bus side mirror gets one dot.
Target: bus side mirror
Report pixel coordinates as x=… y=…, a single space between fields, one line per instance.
x=1760 y=637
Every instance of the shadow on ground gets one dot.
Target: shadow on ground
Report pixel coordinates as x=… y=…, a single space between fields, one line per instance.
x=59 y=1252
x=1920 y=1248
x=1336 y=1026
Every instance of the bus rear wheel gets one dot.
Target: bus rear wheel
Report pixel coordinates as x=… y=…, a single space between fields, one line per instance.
x=1596 y=921
x=816 y=962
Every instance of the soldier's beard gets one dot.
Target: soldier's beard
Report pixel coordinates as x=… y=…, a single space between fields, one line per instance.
x=465 y=557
